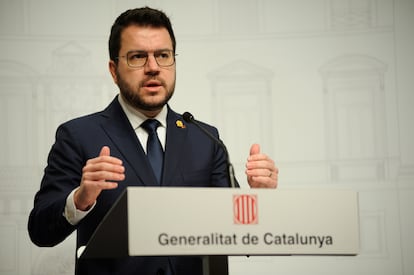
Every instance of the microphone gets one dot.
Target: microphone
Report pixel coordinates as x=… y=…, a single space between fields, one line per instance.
x=188 y=117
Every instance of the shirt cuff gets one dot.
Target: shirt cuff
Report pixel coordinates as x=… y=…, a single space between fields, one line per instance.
x=73 y=215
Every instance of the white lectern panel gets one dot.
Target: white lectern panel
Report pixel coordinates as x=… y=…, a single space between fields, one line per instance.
x=222 y=221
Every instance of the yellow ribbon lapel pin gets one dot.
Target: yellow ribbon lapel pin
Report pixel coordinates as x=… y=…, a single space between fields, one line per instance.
x=180 y=124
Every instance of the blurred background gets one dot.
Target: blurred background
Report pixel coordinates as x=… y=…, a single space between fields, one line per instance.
x=325 y=86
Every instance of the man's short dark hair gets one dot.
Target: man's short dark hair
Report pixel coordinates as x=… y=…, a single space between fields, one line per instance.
x=143 y=17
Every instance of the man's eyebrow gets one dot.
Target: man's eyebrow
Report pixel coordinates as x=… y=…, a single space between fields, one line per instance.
x=157 y=50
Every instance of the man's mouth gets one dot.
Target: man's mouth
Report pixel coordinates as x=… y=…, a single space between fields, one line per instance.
x=152 y=83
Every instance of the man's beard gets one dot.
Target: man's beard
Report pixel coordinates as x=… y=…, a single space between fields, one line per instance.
x=133 y=98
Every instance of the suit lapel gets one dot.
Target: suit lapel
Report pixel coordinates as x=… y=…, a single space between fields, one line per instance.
x=123 y=136
x=176 y=135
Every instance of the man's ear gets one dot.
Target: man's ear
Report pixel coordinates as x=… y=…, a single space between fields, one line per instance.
x=112 y=69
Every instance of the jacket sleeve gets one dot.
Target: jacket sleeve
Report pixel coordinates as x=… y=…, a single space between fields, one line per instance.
x=47 y=225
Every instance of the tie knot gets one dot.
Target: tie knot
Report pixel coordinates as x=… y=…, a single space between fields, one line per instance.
x=150 y=125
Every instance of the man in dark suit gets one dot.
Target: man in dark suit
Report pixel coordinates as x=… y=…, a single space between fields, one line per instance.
x=96 y=157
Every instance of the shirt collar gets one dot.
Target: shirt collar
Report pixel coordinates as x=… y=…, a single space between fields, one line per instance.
x=136 y=118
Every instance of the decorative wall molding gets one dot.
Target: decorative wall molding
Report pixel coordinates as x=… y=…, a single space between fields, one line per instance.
x=355 y=117
x=71 y=58
x=352 y=14
x=238 y=88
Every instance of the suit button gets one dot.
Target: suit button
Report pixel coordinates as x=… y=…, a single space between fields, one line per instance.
x=160 y=272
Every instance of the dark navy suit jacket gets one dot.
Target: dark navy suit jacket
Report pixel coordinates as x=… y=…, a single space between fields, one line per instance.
x=191 y=159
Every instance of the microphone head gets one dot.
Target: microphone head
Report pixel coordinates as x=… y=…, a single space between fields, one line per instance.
x=188 y=117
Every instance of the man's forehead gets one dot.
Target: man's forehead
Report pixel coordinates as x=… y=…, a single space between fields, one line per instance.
x=146 y=36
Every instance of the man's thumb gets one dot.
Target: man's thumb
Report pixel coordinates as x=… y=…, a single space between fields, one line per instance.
x=255 y=149
x=105 y=151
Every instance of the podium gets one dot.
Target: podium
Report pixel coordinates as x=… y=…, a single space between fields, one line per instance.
x=220 y=222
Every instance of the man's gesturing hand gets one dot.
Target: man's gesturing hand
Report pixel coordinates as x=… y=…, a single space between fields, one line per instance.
x=100 y=173
x=260 y=169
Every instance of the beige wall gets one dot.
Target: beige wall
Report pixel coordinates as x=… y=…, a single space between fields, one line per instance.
x=326 y=86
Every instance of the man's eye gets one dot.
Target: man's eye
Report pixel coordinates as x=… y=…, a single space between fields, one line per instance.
x=138 y=56
x=163 y=55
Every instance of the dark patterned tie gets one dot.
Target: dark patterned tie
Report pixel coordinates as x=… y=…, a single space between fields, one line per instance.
x=155 y=153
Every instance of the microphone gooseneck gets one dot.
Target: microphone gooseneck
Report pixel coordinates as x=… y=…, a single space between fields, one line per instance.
x=188 y=117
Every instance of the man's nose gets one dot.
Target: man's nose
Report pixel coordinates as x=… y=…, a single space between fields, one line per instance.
x=151 y=65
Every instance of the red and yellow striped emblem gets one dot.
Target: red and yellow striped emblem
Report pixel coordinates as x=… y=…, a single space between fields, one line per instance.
x=245 y=209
